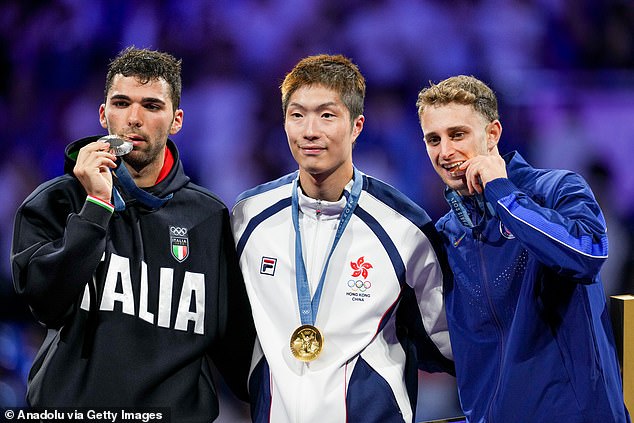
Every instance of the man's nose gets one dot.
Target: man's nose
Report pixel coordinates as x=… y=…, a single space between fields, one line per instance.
x=134 y=116
x=446 y=148
x=311 y=127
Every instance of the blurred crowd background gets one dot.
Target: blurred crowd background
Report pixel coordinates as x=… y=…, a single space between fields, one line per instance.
x=563 y=71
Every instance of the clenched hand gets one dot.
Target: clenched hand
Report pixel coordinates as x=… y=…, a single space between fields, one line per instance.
x=93 y=169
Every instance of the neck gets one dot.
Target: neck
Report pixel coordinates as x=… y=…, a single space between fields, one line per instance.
x=325 y=187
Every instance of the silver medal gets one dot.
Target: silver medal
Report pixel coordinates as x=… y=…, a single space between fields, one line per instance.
x=118 y=146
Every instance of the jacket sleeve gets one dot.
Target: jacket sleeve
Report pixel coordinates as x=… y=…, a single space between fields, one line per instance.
x=423 y=305
x=566 y=230
x=55 y=252
x=232 y=352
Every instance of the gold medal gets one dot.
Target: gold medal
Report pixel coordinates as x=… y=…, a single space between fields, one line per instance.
x=306 y=343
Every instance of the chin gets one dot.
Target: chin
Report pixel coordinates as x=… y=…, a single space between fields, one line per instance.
x=312 y=168
x=456 y=186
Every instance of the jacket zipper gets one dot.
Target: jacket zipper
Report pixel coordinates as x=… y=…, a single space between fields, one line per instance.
x=487 y=291
x=315 y=273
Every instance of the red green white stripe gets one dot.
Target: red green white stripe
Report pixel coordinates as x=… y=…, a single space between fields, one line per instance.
x=98 y=201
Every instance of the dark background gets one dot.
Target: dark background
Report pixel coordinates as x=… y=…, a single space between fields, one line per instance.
x=562 y=69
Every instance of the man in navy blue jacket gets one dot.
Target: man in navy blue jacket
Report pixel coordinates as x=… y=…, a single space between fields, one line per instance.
x=526 y=310
x=133 y=271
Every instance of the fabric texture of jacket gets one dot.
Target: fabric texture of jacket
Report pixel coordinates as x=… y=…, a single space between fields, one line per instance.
x=527 y=314
x=381 y=311
x=136 y=301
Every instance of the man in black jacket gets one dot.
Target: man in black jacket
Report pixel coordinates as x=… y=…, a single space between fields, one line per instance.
x=131 y=266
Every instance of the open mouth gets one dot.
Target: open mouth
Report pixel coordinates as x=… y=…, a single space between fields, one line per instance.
x=454 y=169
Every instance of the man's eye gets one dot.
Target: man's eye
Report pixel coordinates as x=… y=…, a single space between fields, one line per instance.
x=120 y=103
x=328 y=115
x=458 y=135
x=152 y=106
x=432 y=141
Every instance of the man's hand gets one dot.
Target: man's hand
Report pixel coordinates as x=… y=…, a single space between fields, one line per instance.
x=93 y=169
x=480 y=170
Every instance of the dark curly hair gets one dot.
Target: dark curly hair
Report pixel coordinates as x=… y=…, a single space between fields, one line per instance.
x=147 y=65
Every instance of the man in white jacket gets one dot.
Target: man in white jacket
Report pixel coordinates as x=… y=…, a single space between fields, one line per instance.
x=342 y=270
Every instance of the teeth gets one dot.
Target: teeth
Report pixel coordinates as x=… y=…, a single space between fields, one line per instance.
x=452 y=166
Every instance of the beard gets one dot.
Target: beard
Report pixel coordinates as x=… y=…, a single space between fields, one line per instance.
x=139 y=159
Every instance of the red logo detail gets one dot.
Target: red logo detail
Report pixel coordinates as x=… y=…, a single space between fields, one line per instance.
x=360 y=268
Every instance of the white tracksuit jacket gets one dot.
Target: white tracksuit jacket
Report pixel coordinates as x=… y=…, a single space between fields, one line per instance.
x=381 y=311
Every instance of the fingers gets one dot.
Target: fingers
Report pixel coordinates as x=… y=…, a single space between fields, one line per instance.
x=473 y=179
x=96 y=155
x=480 y=170
x=92 y=169
x=476 y=185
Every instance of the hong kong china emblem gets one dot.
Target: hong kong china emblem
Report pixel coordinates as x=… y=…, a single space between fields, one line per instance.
x=179 y=243
x=359 y=286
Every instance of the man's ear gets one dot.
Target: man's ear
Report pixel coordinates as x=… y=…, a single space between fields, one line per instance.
x=177 y=123
x=493 y=134
x=357 y=126
x=102 y=116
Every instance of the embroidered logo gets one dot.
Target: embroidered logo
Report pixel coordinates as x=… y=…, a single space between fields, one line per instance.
x=179 y=243
x=459 y=240
x=358 y=287
x=505 y=232
x=267 y=266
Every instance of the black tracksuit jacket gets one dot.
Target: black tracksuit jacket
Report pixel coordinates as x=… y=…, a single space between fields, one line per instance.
x=135 y=301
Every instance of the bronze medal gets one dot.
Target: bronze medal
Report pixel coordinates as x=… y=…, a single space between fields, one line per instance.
x=306 y=343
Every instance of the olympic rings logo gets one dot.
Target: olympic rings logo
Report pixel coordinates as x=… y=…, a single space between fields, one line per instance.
x=359 y=285
x=176 y=231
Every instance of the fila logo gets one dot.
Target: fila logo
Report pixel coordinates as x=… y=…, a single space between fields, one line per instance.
x=267 y=266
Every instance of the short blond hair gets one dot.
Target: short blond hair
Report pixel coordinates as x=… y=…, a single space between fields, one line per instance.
x=460 y=89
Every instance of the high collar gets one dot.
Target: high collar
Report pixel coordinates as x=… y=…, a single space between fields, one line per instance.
x=323 y=209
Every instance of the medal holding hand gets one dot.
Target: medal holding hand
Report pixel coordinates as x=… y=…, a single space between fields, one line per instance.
x=481 y=169
x=94 y=164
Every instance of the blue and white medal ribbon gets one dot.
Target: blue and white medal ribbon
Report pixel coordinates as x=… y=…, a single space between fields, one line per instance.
x=307 y=341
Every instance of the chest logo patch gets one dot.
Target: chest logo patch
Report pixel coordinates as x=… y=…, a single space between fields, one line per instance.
x=505 y=232
x=179 y=243
x=359 y=284
x=267 y=266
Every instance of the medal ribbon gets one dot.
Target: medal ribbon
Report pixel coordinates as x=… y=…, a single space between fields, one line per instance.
x=151 y=201
x=308 y=307
x=455 y=202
